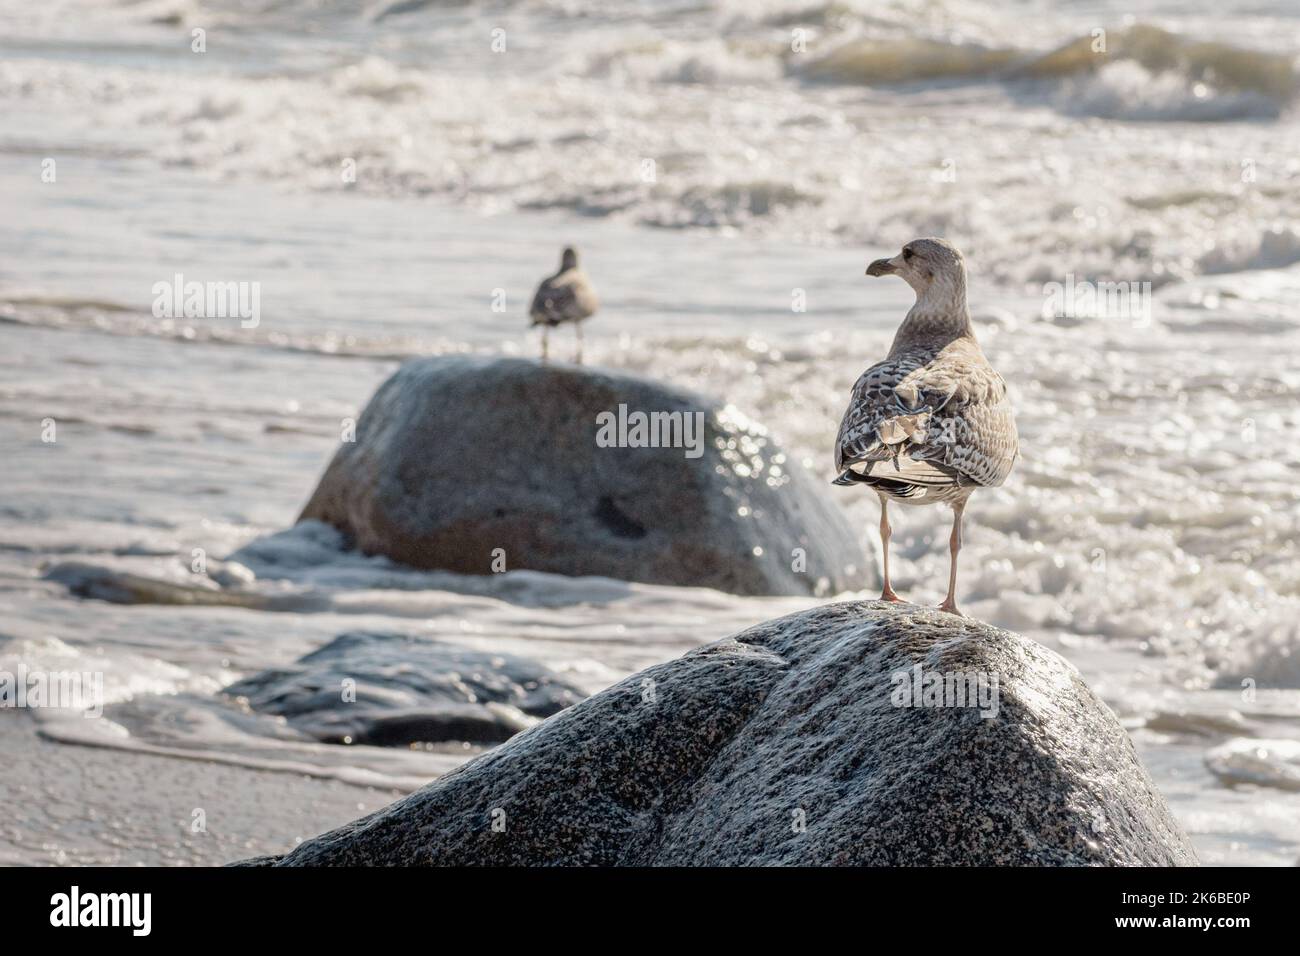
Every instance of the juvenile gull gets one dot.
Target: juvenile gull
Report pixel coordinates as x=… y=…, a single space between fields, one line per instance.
x=932 y=422
x=567 y=296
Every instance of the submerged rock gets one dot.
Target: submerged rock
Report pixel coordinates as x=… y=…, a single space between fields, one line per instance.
x=477 y=464
x=856 y=733
x=406 y=690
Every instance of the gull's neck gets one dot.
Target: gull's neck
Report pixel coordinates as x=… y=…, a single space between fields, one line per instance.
x=939 y=315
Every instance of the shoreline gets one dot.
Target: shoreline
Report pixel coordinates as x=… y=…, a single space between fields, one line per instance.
x=206 y=447
x=73 y=805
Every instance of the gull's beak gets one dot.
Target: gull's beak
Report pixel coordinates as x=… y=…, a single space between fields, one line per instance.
x=881 y=267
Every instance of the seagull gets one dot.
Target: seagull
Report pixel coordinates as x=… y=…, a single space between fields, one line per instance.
x=932 y=422
x=567 y=296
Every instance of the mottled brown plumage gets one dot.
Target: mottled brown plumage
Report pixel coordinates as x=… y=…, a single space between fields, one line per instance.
x=932 y=422
x=567 y=296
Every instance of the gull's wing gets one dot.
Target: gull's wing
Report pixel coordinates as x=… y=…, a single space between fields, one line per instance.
x=928 y=419
x=567 y=297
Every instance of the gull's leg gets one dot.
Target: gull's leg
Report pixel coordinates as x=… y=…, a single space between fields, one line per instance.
x=954 y=545
x=886 y=592
x=577 y=328
x=545 y=330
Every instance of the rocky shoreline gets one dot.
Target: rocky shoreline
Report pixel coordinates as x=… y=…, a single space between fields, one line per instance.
x=827 y=737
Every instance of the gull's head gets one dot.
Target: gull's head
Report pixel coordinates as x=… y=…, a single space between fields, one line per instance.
x=569 y=260
x=932 y=267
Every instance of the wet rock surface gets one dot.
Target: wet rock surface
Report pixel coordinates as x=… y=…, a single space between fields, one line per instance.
x=394 y=690
x=794 y=743
x=463 y=461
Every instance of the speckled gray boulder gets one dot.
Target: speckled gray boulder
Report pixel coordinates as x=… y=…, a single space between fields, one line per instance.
x=786 y=745
x=458 y=456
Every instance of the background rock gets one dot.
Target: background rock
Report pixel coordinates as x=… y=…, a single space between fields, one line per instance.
x=458 y=456
x=408 y=690
x=784 y=746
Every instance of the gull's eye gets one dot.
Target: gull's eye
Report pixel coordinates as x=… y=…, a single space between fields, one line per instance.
x=907 y=253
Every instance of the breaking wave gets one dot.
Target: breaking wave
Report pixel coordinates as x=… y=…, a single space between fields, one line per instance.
x=896 y=119
x=1139 y=73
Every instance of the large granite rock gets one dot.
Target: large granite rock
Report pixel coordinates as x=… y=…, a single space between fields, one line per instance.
x=792 y=743
x=404 y=690
x=457 y=457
